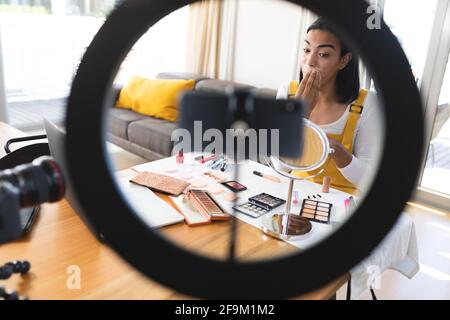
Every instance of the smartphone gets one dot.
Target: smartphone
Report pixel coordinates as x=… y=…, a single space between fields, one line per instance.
x=234 y=186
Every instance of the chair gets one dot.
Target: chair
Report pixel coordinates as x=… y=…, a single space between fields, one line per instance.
x=25 y=154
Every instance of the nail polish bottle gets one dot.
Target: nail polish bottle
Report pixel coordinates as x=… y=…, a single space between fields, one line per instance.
x=180 y=157
x=295 y=201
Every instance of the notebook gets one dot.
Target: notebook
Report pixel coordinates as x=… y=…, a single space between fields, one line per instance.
x=154 y=211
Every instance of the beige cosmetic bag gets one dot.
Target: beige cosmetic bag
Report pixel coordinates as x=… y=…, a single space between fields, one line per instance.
x=160 y=183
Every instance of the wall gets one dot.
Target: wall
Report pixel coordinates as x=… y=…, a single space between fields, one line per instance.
x=266 y=42
x=161 y=49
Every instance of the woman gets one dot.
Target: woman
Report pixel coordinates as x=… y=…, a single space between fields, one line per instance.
x=329 y=83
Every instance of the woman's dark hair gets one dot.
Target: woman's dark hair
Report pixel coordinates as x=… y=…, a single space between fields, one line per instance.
x=347 y=81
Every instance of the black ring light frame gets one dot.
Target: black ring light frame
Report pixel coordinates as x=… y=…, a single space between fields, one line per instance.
x=200 y=276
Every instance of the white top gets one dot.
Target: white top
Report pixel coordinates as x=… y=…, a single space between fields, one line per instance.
x=366 y=141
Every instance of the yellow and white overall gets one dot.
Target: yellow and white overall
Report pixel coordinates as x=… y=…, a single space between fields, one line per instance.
x=338 y=181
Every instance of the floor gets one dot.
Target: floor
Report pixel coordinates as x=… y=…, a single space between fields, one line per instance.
x=122 y=159
x=28 y=115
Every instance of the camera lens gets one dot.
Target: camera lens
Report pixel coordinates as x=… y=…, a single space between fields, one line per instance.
x=38 y=182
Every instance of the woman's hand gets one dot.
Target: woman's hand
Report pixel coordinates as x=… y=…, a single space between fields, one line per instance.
x=341 y=156
x=309 y=88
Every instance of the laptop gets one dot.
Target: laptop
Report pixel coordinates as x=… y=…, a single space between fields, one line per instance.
x=56 y=140
x=152 y=210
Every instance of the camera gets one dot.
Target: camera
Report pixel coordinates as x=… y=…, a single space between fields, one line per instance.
x=25 y=186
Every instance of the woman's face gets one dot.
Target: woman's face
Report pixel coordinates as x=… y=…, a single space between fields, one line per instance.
x=322 y=52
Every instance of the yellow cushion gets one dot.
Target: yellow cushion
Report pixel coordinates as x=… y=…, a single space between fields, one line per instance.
x=157 y=98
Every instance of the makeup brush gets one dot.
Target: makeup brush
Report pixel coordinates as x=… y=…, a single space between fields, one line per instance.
x=266 y=176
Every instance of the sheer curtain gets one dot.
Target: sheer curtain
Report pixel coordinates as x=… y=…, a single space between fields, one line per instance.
x=306 y=19
x=228 y=36
x=204 y=38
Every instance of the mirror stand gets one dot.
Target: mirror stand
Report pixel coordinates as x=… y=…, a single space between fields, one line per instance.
x=288 y=225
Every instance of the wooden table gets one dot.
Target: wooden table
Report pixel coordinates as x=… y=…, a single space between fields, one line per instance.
x=60 y=243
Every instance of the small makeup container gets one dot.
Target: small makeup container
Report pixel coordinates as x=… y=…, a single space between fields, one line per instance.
x=347 y=205
x=180 y=157
x=326 y=183
x=295 y=201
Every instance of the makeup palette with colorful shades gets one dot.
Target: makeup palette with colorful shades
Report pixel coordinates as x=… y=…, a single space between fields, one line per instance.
x=316 y=211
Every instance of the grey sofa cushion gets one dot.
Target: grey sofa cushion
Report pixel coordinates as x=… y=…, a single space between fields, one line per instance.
x=218 y=86
x=119 y=120
x=181 y=75
x=153 y=134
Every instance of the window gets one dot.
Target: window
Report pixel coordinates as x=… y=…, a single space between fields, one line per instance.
x=436 y=176
x=26 y=6
x=96 y=8
x=412 y=21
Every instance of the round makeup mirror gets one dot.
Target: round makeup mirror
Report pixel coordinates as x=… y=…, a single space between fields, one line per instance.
x=316 y=150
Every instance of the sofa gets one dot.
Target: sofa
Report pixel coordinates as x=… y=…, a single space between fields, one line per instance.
x=149 y=137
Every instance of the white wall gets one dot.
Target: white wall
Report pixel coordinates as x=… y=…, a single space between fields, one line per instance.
x=161 y=49
x=266 y=42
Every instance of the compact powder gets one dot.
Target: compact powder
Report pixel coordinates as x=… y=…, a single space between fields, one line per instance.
x=316 y=211
x=296 y=225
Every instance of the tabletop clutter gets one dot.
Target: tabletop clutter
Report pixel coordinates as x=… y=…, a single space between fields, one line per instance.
x=202 y=190
x=198 y=195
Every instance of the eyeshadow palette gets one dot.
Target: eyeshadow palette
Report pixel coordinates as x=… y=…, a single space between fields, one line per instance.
x=259 y=205
x=251 y=210
x=205 y=204
x=266 y=201
x=316 y=210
